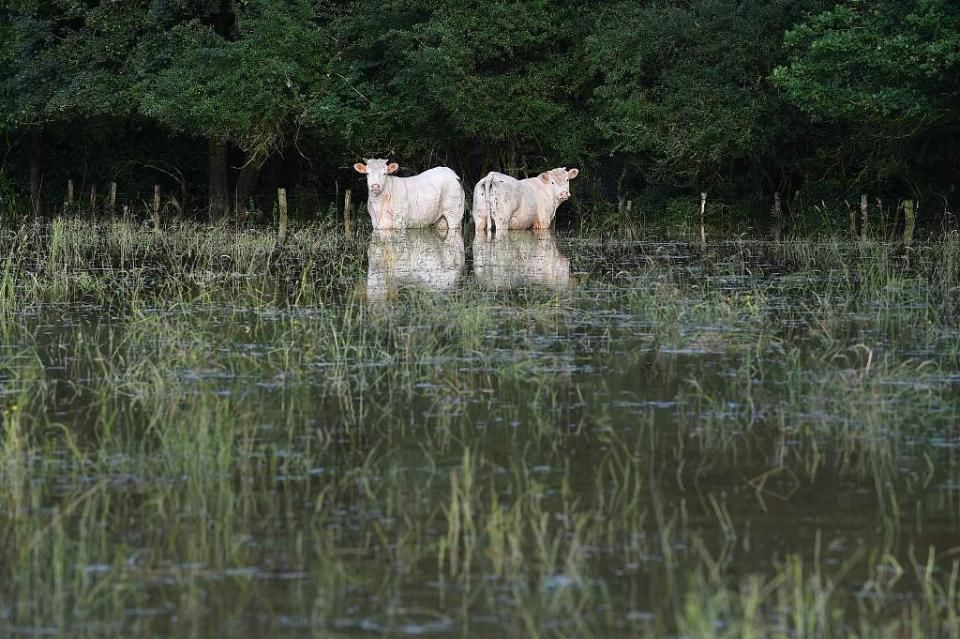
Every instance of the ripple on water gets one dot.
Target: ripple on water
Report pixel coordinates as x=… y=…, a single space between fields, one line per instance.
x=409 y=622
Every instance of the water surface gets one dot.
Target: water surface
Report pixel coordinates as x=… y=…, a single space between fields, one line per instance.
x=537 y=435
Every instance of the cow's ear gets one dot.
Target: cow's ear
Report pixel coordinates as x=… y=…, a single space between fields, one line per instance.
x=545 y=177
x=572 y=173
x=393 y=167
x=360 y=167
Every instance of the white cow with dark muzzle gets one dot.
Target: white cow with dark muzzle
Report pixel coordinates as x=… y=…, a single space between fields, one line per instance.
x=508 y=203
x=410 y=202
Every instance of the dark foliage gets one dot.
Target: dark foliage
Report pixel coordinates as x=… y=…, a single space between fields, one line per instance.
x=221 y=101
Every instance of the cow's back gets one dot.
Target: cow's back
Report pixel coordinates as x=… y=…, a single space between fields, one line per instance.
x=439 y=173
x=439 y=180
x=424 y=198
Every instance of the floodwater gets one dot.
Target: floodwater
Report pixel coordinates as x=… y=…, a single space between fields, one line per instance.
x=534 y=435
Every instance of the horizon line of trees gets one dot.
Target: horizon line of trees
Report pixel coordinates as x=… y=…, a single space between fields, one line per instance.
x=223 y=99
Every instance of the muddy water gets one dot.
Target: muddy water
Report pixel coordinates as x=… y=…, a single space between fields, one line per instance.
x=534 y=435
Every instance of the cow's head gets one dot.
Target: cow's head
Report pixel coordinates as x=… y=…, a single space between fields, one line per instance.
x=559 y=181
x=376 y=171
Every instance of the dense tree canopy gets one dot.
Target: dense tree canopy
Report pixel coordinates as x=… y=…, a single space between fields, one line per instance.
x=250 y=85
x=744 y=98
x=685 y=86
x=890 y=70
x=67 y=60
x=443 y=76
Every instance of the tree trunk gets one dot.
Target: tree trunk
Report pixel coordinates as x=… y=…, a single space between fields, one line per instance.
x=219 y=202
x=224 y=19
x=475 y=154
x=246 y=179
x=36 y=175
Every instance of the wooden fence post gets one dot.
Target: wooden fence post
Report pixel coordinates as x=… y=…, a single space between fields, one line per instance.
x=282 y=226
x=112 y=201
x=156 y=208
x=863 y=217
x=703 y=208
x=70 y=193
x=93 y=201
x=347 y=213
x=777 y=216
x=909 y=214
x=36 y=170
x=883 y=218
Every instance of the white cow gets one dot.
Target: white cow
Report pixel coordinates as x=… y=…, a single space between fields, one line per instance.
x=420 y=200
x=519 y=259
x=420 y=258
x=510 y=203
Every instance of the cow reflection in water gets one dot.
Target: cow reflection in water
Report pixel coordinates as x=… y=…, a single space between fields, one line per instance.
x=520 y=258
x=418 y=258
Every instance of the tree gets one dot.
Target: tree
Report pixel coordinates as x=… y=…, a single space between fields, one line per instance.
x=242 y=74
x=743 y=98
x=442 y=76
x=890 y=70
x=682 y=90
x=65 y=61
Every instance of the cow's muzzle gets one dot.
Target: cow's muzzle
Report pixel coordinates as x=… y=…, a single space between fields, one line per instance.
x=376 y=189
x=564 y=197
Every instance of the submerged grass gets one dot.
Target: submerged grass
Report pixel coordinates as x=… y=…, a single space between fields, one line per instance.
x=206 y=433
